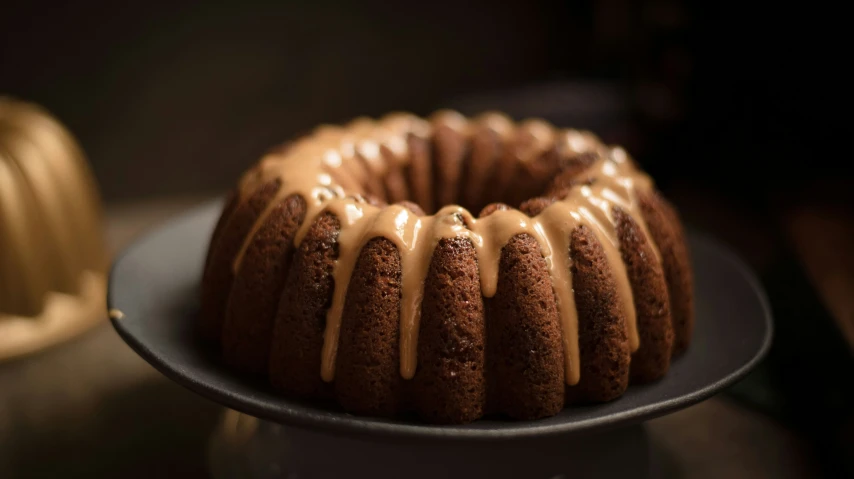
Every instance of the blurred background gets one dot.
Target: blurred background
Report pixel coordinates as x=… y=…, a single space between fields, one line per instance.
x=735 y=109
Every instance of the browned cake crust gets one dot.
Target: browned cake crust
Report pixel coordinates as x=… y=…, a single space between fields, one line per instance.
x=603 y=343
x=524 y=350
x=505 y=169
x=367 y=374
x=493 y=207
x=374 y=184
x=420 y=172
x=531 y=176
x=450 y=385
x=256 y=289
x=535 y=206
x=485 y=150
x=231 y=203
x=395 y=179
x=216 y=285
x=449 y=150
x=665 y=228
x=301 y=318
x=474 y=355
x=571 y=173
x=602 y=337
x=652 y=304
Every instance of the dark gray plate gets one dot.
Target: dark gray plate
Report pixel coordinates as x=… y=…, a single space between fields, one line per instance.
x=155 y=285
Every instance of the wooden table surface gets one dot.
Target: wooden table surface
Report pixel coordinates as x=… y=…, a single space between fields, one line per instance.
x=92 y=408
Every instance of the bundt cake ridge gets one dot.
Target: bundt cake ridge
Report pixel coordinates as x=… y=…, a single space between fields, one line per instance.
x=349 y=202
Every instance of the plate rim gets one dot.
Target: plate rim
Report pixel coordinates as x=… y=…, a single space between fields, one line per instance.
x=321 y=419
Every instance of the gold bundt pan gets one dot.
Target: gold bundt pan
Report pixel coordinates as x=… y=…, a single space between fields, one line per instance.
x=52 y=254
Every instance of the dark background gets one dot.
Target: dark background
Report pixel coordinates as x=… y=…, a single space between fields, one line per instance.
x=741 y=112
x=180 y=97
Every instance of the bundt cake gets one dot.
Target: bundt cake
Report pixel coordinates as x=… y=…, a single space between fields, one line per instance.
x=327 y=274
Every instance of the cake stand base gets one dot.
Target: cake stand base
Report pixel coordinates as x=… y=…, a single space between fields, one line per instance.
x=246 y=447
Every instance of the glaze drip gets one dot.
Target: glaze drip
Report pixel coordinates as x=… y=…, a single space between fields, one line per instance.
x=335 y=167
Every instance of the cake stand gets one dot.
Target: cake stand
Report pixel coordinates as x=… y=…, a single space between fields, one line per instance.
x=153 y=297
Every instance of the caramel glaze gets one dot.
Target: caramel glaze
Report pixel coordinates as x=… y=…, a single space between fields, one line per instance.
x=336 y=169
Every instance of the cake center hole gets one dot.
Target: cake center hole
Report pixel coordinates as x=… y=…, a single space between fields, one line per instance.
x=449 y=169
